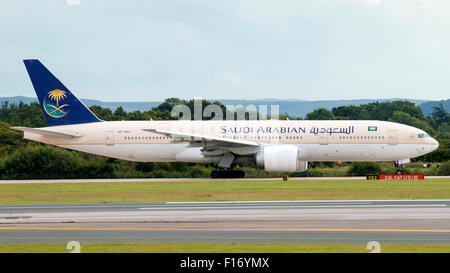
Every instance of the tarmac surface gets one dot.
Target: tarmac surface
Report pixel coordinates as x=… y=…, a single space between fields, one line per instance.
x=385 y=221
x=134 y=180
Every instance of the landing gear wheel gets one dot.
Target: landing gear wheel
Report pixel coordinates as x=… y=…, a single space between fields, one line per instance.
x=215 y=174
x=227 y=174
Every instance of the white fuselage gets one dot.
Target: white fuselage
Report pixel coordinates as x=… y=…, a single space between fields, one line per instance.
x=334 y=140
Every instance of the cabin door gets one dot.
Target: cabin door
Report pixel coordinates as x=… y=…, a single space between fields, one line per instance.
x=109 y=138
x=393 y=137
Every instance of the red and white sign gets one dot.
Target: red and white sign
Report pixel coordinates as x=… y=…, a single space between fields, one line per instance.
x=401 y=176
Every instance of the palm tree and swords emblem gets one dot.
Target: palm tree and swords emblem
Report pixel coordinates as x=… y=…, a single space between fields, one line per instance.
x=56 y=111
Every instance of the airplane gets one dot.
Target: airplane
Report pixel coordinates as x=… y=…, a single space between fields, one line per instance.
x=275 y=145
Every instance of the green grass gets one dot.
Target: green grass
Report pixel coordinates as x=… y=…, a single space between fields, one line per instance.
x=220 y=248
x=222 y=190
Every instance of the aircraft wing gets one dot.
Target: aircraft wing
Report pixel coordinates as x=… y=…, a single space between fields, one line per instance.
x=47 y=132
x=210 y=141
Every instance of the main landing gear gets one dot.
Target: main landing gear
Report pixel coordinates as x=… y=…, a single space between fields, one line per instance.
x=227 y=174
x=226 y=165
x=398 y=165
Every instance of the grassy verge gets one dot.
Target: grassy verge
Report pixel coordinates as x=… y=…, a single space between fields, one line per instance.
x=220 y=248
x=222 y=190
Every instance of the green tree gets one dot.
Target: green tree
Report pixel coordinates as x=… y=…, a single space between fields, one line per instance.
x=102 y=113
x=377 y=110
x=352 y=112
x=443 y=132
x=138 y=115
x=407 y=119
x=364 y=168
x=444 y=169
x=10 y=139
x=29 y=115
x=41 y=162
x=320 y=114
x=440 y=115
x=120 y=114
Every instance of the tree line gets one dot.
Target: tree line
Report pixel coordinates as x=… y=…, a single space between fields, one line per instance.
x=20 y=158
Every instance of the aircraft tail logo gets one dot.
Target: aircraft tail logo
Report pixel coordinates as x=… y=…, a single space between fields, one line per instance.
x=56 y=111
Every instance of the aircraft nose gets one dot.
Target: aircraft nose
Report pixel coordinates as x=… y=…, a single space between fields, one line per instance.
x=435 y=144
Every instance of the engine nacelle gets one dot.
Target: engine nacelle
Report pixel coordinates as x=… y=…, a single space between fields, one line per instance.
x=281 y=158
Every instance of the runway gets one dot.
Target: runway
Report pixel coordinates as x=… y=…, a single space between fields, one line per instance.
x=393 y=221
x=134 y=180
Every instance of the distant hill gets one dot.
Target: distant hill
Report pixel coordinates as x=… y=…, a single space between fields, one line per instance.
x=300 y=108
x=427 y=107
x=26 y=100
x=127 y=106
x=292 y=107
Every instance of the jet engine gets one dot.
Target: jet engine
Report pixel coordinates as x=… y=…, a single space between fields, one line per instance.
x=280 y=158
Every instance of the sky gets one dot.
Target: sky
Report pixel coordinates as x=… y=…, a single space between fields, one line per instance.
x=136 y=50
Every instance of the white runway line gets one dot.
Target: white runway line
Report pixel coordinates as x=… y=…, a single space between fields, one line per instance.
x=290 y=207
x=316 y=201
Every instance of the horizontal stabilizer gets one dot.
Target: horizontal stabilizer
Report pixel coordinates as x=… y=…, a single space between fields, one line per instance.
x=48 y=132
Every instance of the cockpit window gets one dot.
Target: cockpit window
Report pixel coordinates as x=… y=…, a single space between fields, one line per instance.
x=423 y=135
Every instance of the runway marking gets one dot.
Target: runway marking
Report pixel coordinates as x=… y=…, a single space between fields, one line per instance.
x=225 y=207
x=231 y=229
x=315 y=201
x=257 y=239
x=327 y=202
x=293 y=206
x=68 y=206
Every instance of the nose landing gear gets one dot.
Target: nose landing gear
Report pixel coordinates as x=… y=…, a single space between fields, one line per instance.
x=398 y=165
